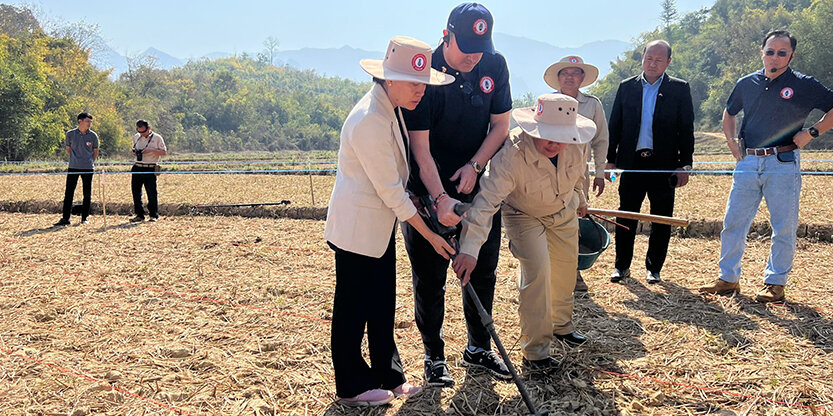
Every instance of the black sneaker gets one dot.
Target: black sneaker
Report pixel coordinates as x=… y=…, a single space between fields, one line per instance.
x=487 y=360
x=436 y=373
x=62 y=222
x=546 y=364
x=618 y=275
x=653 y=277
x=137 y=219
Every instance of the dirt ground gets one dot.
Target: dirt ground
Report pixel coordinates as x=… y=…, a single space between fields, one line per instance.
x=229 y=316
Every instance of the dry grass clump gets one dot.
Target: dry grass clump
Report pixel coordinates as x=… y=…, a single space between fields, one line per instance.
x=228 y=316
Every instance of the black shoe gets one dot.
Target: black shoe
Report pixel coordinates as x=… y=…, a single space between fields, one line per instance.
x=618 y=275
x=153 y=219
x=62 y=222
x=84 y=222
x=137 y=219
x=487 y=360
x=653 y=277
x=546 y=364
x=436 y=373
x=573 y=339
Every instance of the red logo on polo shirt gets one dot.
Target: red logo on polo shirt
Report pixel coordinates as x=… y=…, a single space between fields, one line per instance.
x=487 y=84
x=540 y=107
x=419 y=62
x=480 y=27
x=787 y=93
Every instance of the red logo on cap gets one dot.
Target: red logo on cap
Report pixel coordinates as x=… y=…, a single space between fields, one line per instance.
x=787 y=93
x=419 y=62
x=540 y=107
x=573 y=60
x=487 y=84
x=480 y=27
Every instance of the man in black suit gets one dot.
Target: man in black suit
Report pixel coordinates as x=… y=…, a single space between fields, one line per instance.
x=651 y=128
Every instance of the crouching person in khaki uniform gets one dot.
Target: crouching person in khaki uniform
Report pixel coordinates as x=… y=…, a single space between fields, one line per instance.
x=538 y=175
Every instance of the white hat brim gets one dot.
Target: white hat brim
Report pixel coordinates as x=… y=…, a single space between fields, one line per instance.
x=591 y=74
x=581 y=133
x=375 y=68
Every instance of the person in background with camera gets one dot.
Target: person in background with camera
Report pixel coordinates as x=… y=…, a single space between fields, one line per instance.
x=82 y=147
x=775 y=102
x=148 y=149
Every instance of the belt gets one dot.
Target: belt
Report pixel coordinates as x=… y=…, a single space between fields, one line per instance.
x=645 y=153
x=145 y=165
x=768 y=151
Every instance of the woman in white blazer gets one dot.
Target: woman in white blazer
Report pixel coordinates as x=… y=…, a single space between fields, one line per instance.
x=368 y=199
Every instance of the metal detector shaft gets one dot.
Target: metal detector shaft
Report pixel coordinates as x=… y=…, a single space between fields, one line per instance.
x=256 y=204
x=489 y=323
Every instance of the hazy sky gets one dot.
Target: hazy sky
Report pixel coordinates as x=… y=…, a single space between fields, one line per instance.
x=189 y=29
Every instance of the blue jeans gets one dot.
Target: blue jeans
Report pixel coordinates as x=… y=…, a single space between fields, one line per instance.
x=780 y=184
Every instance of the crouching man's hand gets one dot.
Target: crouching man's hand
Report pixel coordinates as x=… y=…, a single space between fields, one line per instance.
x=463 y=265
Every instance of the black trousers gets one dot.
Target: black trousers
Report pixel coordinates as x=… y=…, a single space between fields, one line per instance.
x=365 y=295
x=632 y=191
x=149 y=182
x=69 y=192
x=429 y=271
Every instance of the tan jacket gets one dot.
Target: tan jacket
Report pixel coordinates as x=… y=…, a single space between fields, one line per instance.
x=369 y=193
x=590 y=107
x=526 y=180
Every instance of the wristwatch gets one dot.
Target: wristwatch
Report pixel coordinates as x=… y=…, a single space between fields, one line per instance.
x=686 y=168
x=477 y=167
x=813 y=131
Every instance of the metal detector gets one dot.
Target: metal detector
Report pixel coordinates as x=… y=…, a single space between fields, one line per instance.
x=428 y=211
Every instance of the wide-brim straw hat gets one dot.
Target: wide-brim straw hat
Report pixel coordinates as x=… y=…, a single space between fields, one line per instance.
x=407 y=59
x=555 y=118
x=591 y=73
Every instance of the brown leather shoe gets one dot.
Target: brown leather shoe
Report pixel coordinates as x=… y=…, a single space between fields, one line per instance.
x=771 y=293
x=580 y=285
x=721 y=287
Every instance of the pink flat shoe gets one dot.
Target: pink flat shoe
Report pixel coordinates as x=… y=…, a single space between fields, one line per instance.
x=375 y=397
x=407 y=389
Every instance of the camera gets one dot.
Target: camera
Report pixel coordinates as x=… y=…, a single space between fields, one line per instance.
x=138 y=154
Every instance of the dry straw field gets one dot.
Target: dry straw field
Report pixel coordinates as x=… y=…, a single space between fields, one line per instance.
x=228 y=315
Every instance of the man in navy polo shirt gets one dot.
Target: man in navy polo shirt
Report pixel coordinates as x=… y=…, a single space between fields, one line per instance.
x=454 y=132
x=82 y=146
x=775 y=102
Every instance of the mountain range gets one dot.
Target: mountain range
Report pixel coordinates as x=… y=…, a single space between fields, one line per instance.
x=527 y=60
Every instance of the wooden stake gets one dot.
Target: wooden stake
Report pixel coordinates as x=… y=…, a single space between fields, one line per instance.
x=659 y=219
x=309 y=171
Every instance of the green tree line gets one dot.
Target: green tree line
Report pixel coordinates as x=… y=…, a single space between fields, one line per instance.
x=714 y=47
x=231 y=104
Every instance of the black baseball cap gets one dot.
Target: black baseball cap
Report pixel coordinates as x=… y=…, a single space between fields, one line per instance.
x=471 y=24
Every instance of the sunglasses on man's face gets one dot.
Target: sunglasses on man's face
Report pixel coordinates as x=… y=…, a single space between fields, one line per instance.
x=141 y=131
x=770 y=52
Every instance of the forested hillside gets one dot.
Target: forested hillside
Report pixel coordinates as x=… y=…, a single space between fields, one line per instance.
x=714 y=47
x=247 y=104
x=229 y=104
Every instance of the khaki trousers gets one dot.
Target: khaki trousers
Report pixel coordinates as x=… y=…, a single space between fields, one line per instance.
x=547 y=249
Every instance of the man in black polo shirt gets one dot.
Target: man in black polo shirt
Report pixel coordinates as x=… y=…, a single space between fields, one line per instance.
x=775 y=102
x=454 y=132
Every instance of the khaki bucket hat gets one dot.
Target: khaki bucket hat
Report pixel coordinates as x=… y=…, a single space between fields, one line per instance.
x=407 y=59
x=556 y=119
x=591 y=73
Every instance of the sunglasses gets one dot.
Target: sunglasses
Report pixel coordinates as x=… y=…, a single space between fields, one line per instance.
x=770 y=52
x=141 y=130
